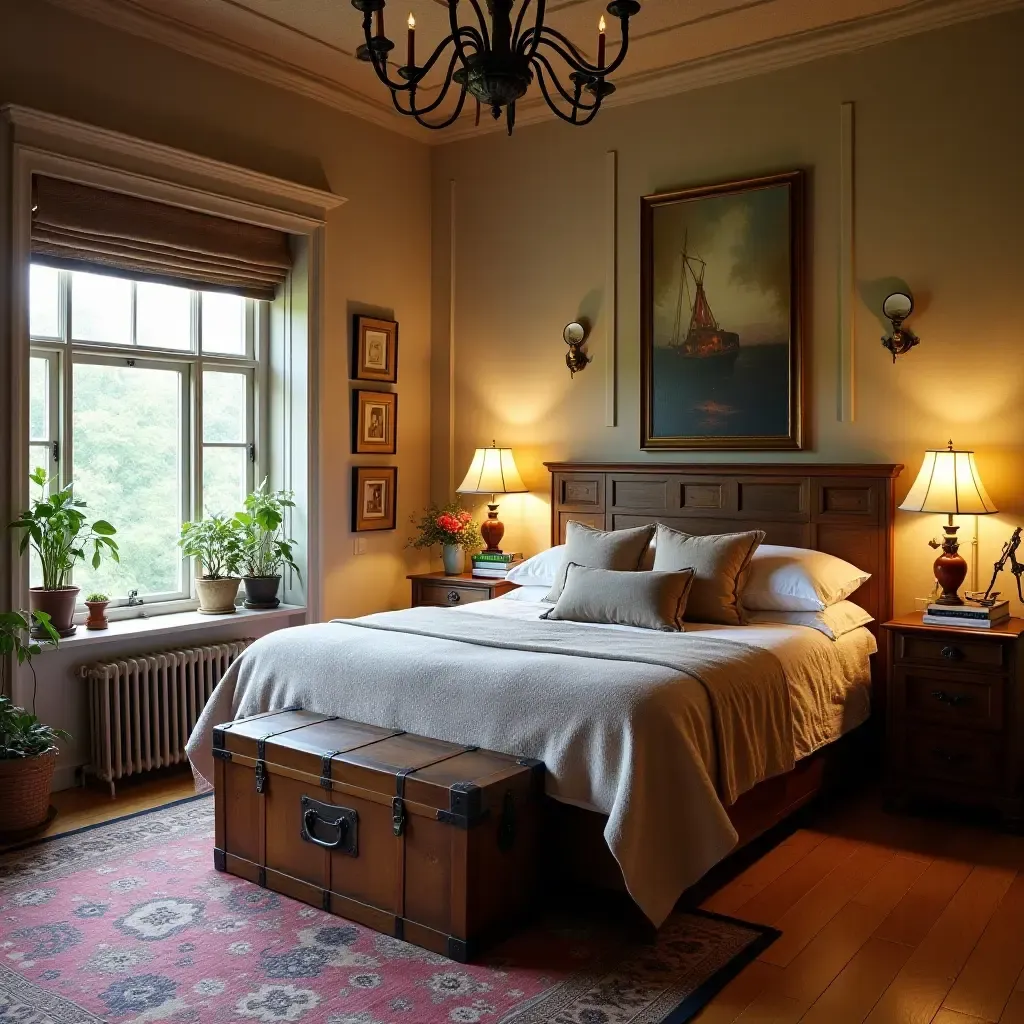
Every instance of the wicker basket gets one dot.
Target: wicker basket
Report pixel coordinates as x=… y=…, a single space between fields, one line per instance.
x=25 y=784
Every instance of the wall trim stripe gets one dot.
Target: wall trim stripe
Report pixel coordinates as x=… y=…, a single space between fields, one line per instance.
x=611 y=289
x=847 y=266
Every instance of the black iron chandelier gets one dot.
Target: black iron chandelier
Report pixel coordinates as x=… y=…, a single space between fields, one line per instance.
x=497 y=66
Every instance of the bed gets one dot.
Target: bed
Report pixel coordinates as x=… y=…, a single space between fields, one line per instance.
x=667 y=749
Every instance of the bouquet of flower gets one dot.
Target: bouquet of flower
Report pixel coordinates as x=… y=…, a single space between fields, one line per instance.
x=446 y=525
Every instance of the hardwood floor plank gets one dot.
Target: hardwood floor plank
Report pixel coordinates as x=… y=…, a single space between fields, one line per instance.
x=952 y=1017
x=1013 y=1012
x=738 y=994
x=912 y=918
x=990 y=974
x=918 y=990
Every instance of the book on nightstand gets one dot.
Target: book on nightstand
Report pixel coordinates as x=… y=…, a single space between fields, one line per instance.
x=971 y=616
x=495 y=565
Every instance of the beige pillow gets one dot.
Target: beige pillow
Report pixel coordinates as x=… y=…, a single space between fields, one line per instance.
x=599 y=549
x=719 y=562
x=650 y=600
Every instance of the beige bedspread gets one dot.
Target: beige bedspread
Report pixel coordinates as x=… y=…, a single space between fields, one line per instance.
x=634 y=724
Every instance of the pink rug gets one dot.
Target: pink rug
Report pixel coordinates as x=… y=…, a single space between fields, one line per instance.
x=128 y=921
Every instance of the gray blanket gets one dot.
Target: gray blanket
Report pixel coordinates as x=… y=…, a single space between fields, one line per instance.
x=658 y=731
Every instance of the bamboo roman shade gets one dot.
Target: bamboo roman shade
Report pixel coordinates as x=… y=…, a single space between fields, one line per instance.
x=81 y=228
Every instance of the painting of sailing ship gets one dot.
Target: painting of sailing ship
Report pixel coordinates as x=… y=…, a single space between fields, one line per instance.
x=720 y=346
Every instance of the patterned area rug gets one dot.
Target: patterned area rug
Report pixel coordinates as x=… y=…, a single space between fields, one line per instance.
x=128 y=921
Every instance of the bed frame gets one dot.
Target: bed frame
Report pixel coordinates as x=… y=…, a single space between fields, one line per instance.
x=845 y=510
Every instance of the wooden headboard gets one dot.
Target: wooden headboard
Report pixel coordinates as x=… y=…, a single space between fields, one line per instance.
x=846 y=510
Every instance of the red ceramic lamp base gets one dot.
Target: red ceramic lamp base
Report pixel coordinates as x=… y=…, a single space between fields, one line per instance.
x=950 y=568
x=492 y=529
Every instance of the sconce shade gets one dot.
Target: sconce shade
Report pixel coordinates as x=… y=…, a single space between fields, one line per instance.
x=949 y=483
x=493 y=471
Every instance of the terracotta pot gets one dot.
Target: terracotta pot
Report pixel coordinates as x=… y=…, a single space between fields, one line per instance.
x=97 y=615
x=261 y=591
x=217 y=597
x=58 y=604
x=25 y=783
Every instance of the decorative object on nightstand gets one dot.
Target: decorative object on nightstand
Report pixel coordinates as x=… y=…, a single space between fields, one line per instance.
x=896 y=308
x=492 y=471
x=451 y=528
x=956 y=715
x=949 y=483
x=990 y=599
x=443 y=591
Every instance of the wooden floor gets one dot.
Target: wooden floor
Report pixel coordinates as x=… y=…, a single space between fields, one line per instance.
x=883 y=918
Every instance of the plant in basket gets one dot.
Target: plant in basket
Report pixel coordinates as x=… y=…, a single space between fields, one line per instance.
x=28 y=748
x=216 y=543
x=265 y=549
x=58 y=531
x=451 y=527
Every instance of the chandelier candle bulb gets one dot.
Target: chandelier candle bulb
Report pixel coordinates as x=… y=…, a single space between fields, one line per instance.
x=412 y=41
x=602 y=27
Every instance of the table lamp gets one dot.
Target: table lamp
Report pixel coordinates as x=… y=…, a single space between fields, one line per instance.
x=493 y=471
x=949 y=483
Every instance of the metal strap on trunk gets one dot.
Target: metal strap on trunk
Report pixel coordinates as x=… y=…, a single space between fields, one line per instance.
x=398 y=804
x=328 y=756
x=261 y=748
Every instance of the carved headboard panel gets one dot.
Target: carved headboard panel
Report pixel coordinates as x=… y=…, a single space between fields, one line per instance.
x=846 y=510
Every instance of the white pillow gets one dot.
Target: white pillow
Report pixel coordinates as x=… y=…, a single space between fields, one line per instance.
x=529 y=594
x=835 y=621
x=539 y=571
x=782 y=579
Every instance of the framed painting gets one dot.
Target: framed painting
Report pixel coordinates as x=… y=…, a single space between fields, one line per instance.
x=374 y=498
x=375 y=350
x=721 y=280
x=374 y=422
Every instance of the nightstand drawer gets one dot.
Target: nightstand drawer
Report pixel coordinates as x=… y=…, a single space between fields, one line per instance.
x=965 y=758
x=953 y=651
x=449 y=595
x=953 y=702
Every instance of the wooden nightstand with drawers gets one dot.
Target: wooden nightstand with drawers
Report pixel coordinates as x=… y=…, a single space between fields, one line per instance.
x=439 y=590
x=956 y=715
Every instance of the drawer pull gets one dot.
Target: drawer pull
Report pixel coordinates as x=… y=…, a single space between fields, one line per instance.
x=957 y=757
x=951 y=653
x=954 y=700
x=454 y=597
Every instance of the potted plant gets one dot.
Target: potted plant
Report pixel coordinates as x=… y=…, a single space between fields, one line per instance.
x=453 y=528
x=265 y=549
x=57 y=530
x=97 y=605
x=28 y=748
x=215 y=543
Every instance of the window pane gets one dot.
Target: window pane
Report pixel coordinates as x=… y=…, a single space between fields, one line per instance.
x=224 y=406
x=101 y=309
x=128 y=467
x=225 y=480
x=44 y=302
x=38 y=399
x=223 y=323
x=163 y=316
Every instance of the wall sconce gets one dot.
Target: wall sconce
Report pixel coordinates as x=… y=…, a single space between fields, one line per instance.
x=897 y=307
x=575 y=334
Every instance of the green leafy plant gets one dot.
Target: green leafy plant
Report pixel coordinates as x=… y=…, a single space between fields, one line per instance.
x=23 y=735
x=445 y=524
x=15 y=640
x=56 y=528
x=217 y=544
x=265 y=549
x=96 y=598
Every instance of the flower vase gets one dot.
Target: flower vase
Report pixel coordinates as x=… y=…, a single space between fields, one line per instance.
x=454 y=558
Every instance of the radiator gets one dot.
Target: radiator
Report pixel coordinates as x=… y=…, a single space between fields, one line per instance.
x=142 y=709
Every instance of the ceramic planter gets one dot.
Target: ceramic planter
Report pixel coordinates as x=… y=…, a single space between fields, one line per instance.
x=59 y=604
x=261 y=591
x=97 y=615
x=25 y=783
x=454 y=558
x=217 y=597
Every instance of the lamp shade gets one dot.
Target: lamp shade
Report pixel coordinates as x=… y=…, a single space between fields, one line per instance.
x=949 y=483
x=493 y=471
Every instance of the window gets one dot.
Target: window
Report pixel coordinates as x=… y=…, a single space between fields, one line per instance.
x=147 y=397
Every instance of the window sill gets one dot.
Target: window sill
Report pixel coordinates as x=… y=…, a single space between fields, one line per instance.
x=168 y=625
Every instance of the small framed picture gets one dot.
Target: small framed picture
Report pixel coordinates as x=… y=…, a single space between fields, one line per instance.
x=374 y=422
x=374 y=497
x=375 y=350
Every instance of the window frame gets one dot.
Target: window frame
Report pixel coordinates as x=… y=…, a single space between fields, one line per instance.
x=65 y=352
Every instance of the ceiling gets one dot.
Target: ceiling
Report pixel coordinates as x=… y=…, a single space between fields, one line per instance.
x=309 y=45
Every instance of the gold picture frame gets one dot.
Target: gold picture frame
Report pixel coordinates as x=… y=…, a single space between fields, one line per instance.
x=374 y=498
x=374 y=422
x=375 y=349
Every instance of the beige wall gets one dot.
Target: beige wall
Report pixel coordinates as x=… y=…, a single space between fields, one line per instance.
x=938 y=181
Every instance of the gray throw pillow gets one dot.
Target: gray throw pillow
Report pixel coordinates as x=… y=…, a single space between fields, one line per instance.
x=720 y=563
x=622 y=550
x=650 y=600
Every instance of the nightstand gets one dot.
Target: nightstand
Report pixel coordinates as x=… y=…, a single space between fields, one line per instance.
x=956 y=715
x=434 y=588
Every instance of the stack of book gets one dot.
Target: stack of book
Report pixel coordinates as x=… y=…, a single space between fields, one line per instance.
x=495 y=565
x=974 y=616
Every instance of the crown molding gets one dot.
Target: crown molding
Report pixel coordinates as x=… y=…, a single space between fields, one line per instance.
x=715 y=69
x=44 y=130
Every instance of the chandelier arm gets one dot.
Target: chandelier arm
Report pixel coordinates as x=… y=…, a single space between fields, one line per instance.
x=567 y=51
x=456 y=33
x=430 y=108
x=381 y=66
x=483 y=22
x=566 y=95
x=537 y=25
x=454 y=117
x=569 y=119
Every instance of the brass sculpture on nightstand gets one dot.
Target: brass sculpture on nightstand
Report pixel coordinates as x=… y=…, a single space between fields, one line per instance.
x=989 y=598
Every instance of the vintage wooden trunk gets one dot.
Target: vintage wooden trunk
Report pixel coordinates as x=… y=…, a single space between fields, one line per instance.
x=431 y=842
